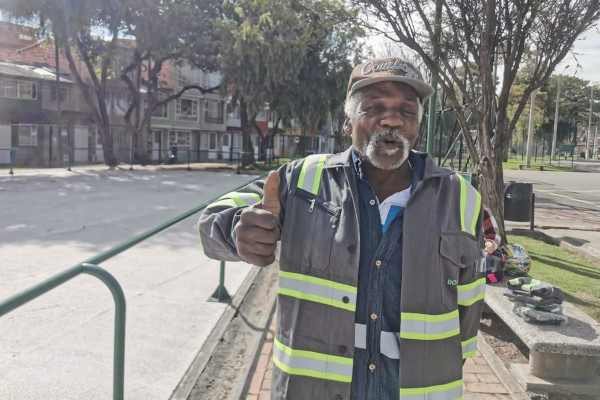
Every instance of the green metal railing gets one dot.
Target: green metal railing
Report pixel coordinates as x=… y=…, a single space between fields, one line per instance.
x=90 y=267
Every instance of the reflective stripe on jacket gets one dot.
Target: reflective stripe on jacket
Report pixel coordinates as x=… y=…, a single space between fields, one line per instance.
x=442 y=287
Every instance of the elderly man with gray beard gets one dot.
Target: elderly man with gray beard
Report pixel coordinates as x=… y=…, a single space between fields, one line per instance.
x=381 y=278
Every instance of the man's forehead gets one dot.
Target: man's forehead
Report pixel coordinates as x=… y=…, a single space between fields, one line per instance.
x=381 y=89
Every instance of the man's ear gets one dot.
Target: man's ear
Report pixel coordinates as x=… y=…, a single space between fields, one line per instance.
x=347 y=126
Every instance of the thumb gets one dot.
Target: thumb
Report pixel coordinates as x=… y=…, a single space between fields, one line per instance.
x=270 y=200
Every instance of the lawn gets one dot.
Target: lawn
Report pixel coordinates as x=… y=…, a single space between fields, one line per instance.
x=577 y=277
x=514 y=162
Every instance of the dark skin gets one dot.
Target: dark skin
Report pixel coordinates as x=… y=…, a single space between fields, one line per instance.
x=385 y=105
x=382 y=105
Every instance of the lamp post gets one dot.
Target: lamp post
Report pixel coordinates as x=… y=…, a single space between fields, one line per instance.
x=554 y=134
x=589 y=132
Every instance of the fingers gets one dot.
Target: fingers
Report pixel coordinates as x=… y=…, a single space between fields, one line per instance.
x=257 y=234
x=270 y=200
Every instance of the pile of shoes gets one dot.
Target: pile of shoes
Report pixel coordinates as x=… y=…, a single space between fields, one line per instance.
x=536 y=301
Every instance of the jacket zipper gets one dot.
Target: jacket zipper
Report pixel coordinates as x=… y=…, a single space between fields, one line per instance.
x=333 y=211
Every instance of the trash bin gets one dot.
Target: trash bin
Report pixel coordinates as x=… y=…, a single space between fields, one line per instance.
x=517 y=201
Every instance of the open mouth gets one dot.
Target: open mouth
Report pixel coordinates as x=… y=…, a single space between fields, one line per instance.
x=388 y=142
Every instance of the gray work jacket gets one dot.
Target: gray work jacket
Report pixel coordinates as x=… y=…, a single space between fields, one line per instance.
x=442 y=290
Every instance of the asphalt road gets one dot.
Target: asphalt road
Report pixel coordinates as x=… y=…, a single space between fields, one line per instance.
x=60 y=345
x=574 y=190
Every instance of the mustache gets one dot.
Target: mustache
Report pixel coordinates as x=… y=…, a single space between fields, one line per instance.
x=387 y=133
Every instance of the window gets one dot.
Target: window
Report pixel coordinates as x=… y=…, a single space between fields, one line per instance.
x=64 y=93
x=159 y=112
x=226 y=139
x=181 y=138
x=212 y=141
x=214 y=112
x=18 y=89
x=186 y=110
x=27 y=135
x=237 y=140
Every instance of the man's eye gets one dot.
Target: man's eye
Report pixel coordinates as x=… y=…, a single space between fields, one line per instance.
x=373 y=110
x=408 y=113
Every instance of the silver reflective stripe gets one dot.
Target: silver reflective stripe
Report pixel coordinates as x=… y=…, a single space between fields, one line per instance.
x=450 y=391
x=310 y=363
x=360 y=336
x=469 y=347
x=429 y=326
x=472 y=292
x=389 y=345
x=241 y=198
x=310 y=175
x=318 y=290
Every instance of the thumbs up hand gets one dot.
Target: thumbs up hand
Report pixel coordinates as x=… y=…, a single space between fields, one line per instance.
x=258 y=231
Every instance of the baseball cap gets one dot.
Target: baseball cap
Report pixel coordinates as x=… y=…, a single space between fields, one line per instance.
x=388 y=69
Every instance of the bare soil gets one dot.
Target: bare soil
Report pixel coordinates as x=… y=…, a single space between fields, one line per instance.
x=509 y=348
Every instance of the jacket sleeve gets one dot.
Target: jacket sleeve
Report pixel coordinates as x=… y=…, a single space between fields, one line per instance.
x=218 y=220
x=471 y=289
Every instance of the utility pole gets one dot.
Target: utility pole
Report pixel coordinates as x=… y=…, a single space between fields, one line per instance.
x=595 y=151
x=587 y=141
x=556 y=107
x=530 y=130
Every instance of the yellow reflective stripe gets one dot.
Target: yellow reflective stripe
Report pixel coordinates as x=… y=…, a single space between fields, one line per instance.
x=242 y=198
x=417 y=393
x=470 y=204
x=310 y=373
x=429 y=317
x=428 y=326
x=310 y=174
x=471 y=292
x=318 y=281
x=316 y=299
x=469 y=347
x=463 y=201
x=312 y=354
x=313 y=364
x=229 y=203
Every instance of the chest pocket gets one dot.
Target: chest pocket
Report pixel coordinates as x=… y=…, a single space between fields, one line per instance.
x=457 y=250
x=308 y=230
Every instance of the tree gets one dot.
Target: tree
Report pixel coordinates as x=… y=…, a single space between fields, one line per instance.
x=72 y=23
x=191 y=37
x=533 y=32
x=274 y=52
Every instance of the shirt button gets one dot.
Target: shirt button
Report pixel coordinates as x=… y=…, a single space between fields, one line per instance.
x=372 y=202
x=343 y=349
x=372 y=367
x=373 y=317
x=351 y=248
x=338 y=397
x=345 y=300
x=378 y=263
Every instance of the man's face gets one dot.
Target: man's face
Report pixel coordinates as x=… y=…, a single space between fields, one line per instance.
x=385 y=126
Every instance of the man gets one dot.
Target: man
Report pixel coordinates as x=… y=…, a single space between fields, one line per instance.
x=381 y=273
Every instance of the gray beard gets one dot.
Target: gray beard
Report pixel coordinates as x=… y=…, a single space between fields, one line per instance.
x=368 y=151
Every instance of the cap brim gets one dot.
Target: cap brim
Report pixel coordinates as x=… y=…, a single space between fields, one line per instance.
x=423 y=89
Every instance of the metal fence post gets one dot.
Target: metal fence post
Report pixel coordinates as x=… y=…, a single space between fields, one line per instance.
x=70 y=158
x=239 y=162
x=189 y=168
x=10 y=155
x=130 y=152
x=221 y=295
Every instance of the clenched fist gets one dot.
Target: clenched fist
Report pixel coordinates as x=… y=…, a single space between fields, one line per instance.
x=257 y=231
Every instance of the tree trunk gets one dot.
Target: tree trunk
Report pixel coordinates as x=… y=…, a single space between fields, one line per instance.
x=247 y=148
x=107 y=145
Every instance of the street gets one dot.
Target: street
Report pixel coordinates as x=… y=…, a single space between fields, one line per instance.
x=60 y=345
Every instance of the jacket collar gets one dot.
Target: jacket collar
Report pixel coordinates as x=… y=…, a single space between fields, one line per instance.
x=344 y=159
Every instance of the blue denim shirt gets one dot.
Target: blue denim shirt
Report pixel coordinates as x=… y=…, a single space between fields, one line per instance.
x=376 y=354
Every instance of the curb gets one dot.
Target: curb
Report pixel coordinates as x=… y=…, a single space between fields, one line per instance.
x=535 y=234
x=506 y=378
x=185 y=386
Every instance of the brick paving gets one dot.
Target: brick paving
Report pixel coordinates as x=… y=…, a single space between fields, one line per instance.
x=479 y=381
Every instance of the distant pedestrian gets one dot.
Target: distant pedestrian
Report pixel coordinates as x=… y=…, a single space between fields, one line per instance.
x=173 y=158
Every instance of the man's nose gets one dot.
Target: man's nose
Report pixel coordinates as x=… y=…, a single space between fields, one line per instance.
x=392 y=119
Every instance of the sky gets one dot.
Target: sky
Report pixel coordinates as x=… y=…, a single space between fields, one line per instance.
x=588 y=49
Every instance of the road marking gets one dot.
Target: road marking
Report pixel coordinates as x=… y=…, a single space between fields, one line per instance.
x=567 y=197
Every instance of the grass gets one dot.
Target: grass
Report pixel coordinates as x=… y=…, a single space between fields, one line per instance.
x=577 y=277
x=514 y=162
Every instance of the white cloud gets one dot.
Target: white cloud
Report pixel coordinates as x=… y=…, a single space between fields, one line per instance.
x=587 y=51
